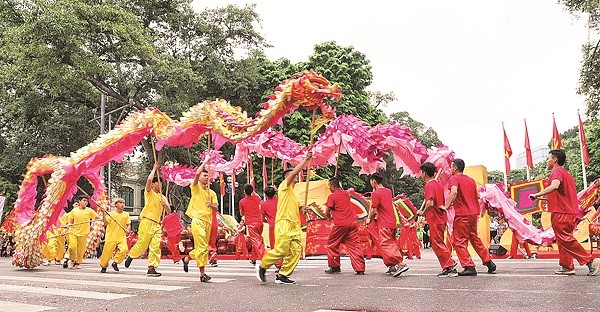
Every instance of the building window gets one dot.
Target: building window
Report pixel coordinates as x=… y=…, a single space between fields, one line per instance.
x=127 y=194
x=143 y=203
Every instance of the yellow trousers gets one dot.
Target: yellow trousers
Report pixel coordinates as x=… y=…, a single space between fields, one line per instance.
x=107 y=252
x=47 y=251
x=77 y=246
x=57 y=245
x=149 y=234
x=288 y=245
x=201 y=233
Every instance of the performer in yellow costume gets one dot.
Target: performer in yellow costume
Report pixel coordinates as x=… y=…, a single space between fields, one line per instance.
x=118 y=225
x=150 y=229
x=200 y=209
x=60 y=238
x=78 y=230
x=288 y=234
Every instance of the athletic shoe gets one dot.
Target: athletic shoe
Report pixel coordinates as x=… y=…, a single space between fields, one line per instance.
x=56 y=262
x=400 y=268
x=261 y=274
x=253 y=262
x=391 y=269
x=360 y=273
x=128 y=261
x=448 y=272
x=332 y=270
x=214 y=265
x=491 y=267
x=205 y=278
x=282 y=279
x=468 y=272
x=78 y=267
x=152 y=272
x=103 y=270
x=186 y=263
x=564 y=271
x=115 y=266
x=594 y=267
x=70 y=265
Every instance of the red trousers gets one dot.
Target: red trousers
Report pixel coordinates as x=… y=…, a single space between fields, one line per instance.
x=373 y=237
x=515 y=244
x=241 y=249
x=256 y=239
x=389 y=250
x=347 y=235
x=173 y=245
x=436 y=239
x=465 y=231
x=568 y=247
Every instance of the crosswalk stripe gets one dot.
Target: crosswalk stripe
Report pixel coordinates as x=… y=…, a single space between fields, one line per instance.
x=22 y=307
x=193 y=270
x=139 y=277
x=94 y=283
x=62 y=292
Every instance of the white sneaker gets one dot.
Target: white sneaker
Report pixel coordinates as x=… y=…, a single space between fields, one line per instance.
x=78 y=267
x=45 y=263
x=595 y=267
x=71 y=264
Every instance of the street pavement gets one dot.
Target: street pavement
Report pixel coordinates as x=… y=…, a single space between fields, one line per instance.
x=519 y=285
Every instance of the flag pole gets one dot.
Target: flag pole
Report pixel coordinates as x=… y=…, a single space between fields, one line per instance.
x=504 y=171
x=583 y=172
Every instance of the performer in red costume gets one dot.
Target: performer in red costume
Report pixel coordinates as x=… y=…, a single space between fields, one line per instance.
x=564 y=206
x=252 y=216
x=464 y=196
x=382 y=208
x=514 y=245
x=344 y=231
x=436 y=218
x=269 y=209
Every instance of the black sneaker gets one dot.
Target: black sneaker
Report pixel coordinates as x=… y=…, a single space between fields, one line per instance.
x=391 y=269
x=400 y=268
x=282 y=279
x=205 y=278
x=65 y=264
x=332 y=270
x=115 y=266
x=360 y=273
x=152 y=272
x=261 y=274
x=468 y=272
x=186 y=263
x=491 y=267
x=128 y=261
x=103 y=270
x=253 y=262
x=448 y=272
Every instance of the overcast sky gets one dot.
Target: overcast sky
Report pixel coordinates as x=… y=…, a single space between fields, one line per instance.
x=461 y=67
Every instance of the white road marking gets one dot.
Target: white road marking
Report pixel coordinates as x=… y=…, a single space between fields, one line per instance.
x=94 y=283
x=63 y=292
x=22 y=307
x=196 y=277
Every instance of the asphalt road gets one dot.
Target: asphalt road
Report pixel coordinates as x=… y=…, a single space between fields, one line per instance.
x=519 y=285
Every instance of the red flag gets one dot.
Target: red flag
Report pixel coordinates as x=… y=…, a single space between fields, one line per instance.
x=556 y=141
x=528 y=149
x=265 y=175
x=507 y=152
x=221 y=184
x=583 y=143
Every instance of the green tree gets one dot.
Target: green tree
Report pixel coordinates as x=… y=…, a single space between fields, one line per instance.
x=57 y=56
x=423 y=133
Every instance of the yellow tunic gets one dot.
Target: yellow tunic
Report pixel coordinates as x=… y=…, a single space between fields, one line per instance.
x=114 y=232
x=197 y=207
x=78 y=215
x=288 y=204
x=153 y=208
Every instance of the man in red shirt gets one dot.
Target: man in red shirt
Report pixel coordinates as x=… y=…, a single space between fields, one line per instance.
x=383 y=209
x=464 y=196
x=269 y=209
x=252 y=217
x=564 y=206
x=436 y=218
x=344 y=231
